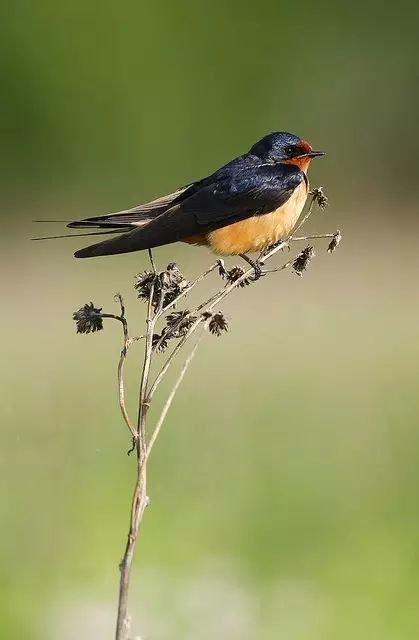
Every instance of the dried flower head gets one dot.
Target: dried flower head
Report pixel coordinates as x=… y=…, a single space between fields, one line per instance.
x=217 y=323
x=169 y=284
x=179 y=322
x=334 y=243
x=235 y=273
x=232 y=275
x=88 y=319
x=160 y=342
x=172 y=283
x=303 y=259
x=173 y=277
x=143 y=284
x=320 y=197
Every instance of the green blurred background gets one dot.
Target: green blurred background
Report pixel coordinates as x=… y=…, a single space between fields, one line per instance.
x=284 y=488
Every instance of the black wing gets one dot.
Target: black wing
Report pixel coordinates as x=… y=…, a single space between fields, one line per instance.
x=223 y=198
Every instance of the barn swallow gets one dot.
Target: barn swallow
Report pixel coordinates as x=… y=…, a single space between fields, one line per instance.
x=245 y=206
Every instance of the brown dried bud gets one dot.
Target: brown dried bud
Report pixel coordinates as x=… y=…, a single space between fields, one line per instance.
x=88 y=319
x=172 y=282
x=173 y=277
x=302 y=261
x=235 y=273
x=178 y=323
x=334 y=243
x=169 y=284
x=160 y=342
x=143 y=284
x=321 y=199
x=218 y=324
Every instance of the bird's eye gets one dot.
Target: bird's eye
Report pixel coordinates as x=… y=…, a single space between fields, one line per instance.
x=289 y=150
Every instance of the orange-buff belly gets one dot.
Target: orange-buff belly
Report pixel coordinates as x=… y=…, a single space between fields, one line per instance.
x=259 y=232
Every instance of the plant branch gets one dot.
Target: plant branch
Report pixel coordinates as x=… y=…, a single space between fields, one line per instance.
x=163 y=291
x=172 y=394
x=139 y=499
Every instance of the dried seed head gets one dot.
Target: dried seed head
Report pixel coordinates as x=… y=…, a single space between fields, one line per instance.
x=88 y=319
x=231 y=275
x=178 y=323
x=174 y=277
x=334 y=243
x=321 y=199
x=143 y=284
x=172 y=283
x=217 y=324
x=160 y=342
x=303 y=259
x=169 y=284
x=235 y=273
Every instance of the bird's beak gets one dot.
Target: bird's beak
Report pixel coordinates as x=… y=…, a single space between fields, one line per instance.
x=314 y=154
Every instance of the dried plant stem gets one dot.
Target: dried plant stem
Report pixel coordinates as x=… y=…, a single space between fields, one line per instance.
x=189 y=288
x=182 y=327
x=315 y=236
x=171 y=395
x=126 y=344
x=139 y=498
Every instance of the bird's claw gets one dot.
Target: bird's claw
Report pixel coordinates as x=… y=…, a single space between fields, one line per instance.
x=256 y=264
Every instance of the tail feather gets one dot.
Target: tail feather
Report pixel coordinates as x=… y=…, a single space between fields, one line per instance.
x=174 y=225
x=125 y=222
x=117 y=221
x=81 y=235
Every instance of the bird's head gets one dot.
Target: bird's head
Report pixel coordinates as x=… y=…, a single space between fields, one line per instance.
x=284 y=147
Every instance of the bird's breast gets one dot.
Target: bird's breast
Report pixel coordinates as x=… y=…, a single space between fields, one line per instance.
x=259 y=232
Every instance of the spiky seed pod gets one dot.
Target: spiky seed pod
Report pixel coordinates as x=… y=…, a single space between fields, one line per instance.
x=302 y=261
x=218 y=324
x=88 y=318
x=334 y=243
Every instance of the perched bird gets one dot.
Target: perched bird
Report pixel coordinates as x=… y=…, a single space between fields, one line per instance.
x=245 y=206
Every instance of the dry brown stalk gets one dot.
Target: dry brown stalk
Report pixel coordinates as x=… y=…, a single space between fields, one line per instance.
x=162 y=292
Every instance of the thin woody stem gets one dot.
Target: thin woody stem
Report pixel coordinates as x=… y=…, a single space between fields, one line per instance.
x=146 y=393
x=315 y=236
x=127 y=343
x=172 y=394
x=176 y=300
x=282 y=268
x=171 y=357
x=121 y=389
x=190 y=287
x=139 y=498
x=122 y=358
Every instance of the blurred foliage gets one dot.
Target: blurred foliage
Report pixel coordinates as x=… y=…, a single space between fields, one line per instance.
x=284 y=485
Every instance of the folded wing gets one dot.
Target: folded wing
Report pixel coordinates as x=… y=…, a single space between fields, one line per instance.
x=218 y=202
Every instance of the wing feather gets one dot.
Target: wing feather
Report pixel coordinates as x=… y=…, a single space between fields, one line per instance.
x=136 y=216
x=218 y=202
